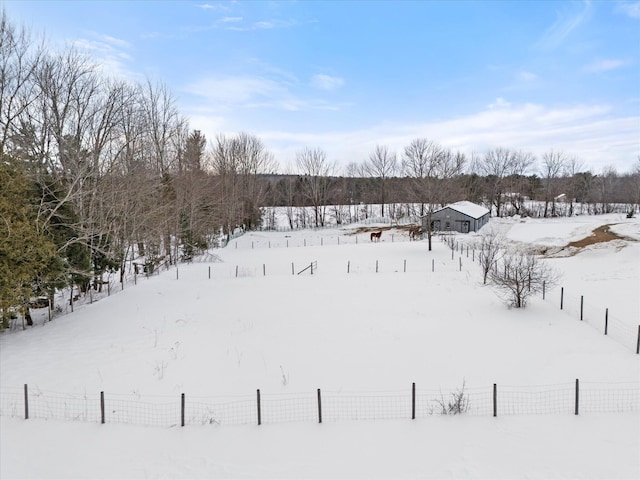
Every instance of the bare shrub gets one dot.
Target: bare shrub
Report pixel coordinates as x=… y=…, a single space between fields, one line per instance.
x=518 y=275
x=456 y=404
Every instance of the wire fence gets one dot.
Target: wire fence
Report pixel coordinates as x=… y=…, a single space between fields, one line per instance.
x=321 y=406
x=577 y=306
x=597 y=316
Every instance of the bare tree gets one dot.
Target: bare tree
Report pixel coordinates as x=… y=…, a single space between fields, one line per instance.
x=18 y=64
x=553 y=165
x=519 y=275
x=382 y=164
x=490 y=248
x=237 y=161
x=497 y=166
x=432 y=170
x=607 y=182
x=572 y=167
x=316 y=180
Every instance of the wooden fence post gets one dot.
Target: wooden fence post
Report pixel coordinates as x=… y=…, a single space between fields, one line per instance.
x=209 y=271
x=606 y=320
x=182 y=405
x=236 y=271
x=26 y=402
x=638 y=342
x=264 y=270
x=495 y=400
x=259 y=412
x=544 y=286
x=413 y=401
x=581 y=307
x=177 y=275
x=102 y=408
x=577 y=395
x=405 y=266
x=561 y=297
x=293 y=270
x=319 y=407
x=433 y=265
x=376 y=266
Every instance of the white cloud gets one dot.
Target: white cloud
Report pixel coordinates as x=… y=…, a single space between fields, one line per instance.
x=605 y=65
x=499 y=103
x=588 y=132
x=566 y=22
x=230 y=19
x=210 y=6
x=526 y=76
x=326 y=82
x=631 y=9
x=232 y=93
x=263 y=25
x=109 y=53
x=236 y=91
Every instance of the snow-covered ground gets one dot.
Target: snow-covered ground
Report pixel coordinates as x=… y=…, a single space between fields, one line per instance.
x=373 y=317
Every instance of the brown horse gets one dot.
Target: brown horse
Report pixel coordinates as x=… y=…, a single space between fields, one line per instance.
x=375 y=236
x=415 y=232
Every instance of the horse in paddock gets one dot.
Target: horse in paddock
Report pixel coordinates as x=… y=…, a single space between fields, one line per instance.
x=414 y=233
x=375 y=236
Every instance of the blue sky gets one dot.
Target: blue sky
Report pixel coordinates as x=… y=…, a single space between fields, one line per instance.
x=347 y=76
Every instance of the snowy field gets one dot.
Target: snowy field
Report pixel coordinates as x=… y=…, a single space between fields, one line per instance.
x=372 y=319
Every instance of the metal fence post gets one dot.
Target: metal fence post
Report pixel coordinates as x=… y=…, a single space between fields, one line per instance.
x=413 y=401
x=577 y=395
x=182 y=405
x=259 y=411
x=26 y=402
x=319 y=407
x=495 y=400
x=102 y=419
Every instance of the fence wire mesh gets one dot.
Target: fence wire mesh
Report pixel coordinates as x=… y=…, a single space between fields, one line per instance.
x=338 y=406
x=597 y=316
x=239 y=410
x=330 y=406
x=64 y=406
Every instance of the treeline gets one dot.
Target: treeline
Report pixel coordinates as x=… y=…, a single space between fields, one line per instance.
x=97 y=172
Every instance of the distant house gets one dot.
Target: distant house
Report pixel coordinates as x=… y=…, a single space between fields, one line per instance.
x=463 y=217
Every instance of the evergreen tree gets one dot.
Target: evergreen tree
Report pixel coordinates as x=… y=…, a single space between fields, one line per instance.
x=26 y=253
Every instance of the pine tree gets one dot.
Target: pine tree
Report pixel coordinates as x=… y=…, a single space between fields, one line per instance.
x=26 y=253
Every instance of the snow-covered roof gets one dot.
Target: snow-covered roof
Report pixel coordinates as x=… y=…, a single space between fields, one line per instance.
x=468 y=208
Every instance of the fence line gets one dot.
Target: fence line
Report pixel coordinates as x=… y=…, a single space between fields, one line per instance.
x=579 y=307
x=601 y=318
x=327 y=406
